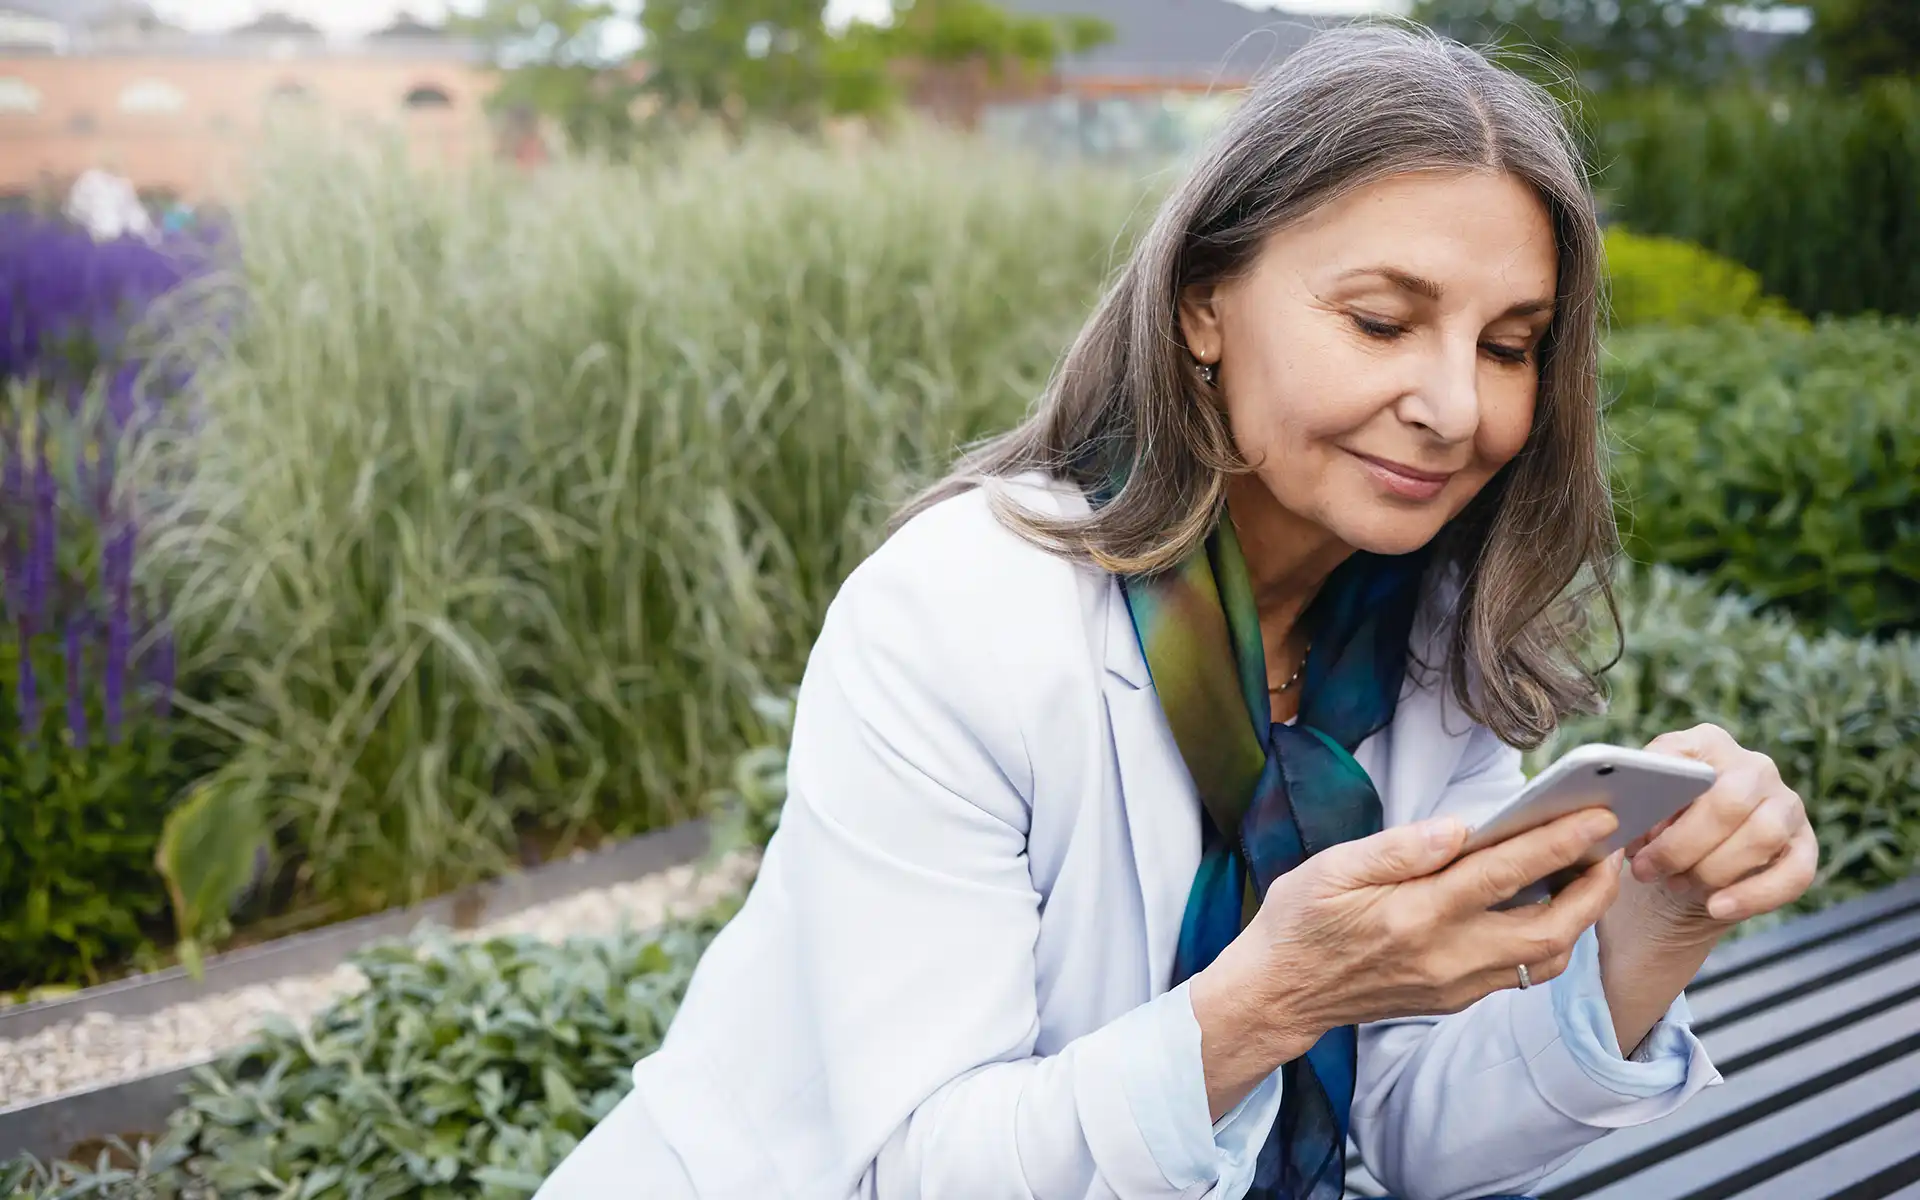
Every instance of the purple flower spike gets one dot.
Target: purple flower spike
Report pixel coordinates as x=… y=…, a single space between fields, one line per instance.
x=13 y=474
x=77 y=681
x=120 y=396
x=13 y=497
x=119 y=575
x=41 y=558
x=163 y=673
x=27 y=697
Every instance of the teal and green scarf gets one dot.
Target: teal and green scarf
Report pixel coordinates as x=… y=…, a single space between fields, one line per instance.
x=1273 y=795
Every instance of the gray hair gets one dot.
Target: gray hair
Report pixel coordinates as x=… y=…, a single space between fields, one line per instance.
x=1356 y=105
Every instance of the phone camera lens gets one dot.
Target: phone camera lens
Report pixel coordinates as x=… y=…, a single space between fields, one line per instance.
x=1603 y=771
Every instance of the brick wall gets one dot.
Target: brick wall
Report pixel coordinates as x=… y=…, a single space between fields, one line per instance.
x=184 y=124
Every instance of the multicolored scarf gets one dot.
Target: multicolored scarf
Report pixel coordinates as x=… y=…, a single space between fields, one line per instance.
x=1272 y=794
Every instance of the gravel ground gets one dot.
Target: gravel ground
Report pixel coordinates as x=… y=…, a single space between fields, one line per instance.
x=100 y=1049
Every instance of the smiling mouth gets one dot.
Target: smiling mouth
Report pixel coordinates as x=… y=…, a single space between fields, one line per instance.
x=1409 y=483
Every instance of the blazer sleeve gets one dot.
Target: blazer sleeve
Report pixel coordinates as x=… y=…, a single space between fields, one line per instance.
x=1547 y=1053
x=902 y=857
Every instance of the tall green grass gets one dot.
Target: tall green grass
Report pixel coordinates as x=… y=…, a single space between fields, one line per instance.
x=509 y=492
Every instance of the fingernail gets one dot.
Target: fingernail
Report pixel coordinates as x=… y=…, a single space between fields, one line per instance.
x=1721 y=908
x=1599 y=825
x=1441 y=833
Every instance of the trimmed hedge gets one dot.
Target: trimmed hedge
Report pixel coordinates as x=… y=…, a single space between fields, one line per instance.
x=1664 y=281
x=1782 y=463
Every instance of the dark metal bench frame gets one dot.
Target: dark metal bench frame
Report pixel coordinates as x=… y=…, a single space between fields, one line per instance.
x=1815 y=1025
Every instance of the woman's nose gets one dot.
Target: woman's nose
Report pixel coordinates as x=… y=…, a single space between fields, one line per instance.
x=1446 y=400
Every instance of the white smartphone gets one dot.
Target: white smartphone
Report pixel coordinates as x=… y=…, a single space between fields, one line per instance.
x=1642 y=788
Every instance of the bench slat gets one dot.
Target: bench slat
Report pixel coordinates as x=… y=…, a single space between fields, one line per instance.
x=1778 y=1141
x=1802 y=932
x=1742 y=1044
x=1803 y=973
x=1855 y=1162
x=1898 y=1175
x=1795 y=1078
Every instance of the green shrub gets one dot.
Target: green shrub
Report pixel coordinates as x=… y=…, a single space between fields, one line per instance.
x=512 y=489
x=1783 y=464
x=1840 y=715
x=1815 y=191
x=1665 y=281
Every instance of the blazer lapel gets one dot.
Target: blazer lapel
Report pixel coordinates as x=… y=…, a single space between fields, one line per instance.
x=1162 y=808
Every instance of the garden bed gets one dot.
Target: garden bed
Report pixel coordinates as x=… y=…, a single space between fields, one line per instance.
x=109 y=1060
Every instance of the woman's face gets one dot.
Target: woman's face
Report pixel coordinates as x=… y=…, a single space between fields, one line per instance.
x=1380 y=360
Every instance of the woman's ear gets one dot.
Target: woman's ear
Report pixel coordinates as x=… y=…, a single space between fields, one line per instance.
x=1200 y=322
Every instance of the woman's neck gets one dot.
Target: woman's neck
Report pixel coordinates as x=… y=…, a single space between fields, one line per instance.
x=1288 y=560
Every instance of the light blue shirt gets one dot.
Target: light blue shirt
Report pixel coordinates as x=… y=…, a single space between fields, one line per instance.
x=1167 y=1087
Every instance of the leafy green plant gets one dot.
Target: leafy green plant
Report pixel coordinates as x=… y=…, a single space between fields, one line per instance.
x=209 y=854
x=1840 y=715
x=463 y=1069
x=140 y=1170
x=1665 y=281
x=1782 y=464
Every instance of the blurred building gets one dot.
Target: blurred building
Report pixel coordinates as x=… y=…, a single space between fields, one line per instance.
x=1172 y=72
x=106 y=84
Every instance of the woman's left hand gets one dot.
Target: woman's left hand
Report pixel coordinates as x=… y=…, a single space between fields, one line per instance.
x=1743 y=848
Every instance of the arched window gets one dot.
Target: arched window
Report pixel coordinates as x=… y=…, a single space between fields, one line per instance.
x=154 y=96
x=18 y=96
x=428 y=95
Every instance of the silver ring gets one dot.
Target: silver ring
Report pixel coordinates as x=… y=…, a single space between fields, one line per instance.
x=1526 y=980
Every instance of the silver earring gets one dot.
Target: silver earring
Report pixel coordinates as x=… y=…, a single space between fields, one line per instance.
x=1210 y=373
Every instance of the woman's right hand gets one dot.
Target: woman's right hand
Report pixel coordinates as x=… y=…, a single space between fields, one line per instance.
x=1384 y=927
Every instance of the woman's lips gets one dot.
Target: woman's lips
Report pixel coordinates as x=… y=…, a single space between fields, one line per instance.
x=1408 y=483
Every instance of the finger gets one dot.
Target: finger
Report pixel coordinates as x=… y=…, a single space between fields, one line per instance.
x=1507 y=978
x=1757 y=844
x=1544 y=971
x=1544 y=932
x=1486 y=877
x=1780 y=884
x=1702 y=826
x=1706 y=742
x=1640 y=843
x=1396 y=855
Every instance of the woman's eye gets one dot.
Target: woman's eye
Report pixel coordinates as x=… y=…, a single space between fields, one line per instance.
x=1374 y=327
x=1509 y=354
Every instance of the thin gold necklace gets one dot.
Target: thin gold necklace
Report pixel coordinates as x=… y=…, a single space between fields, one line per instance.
x=1274 y=689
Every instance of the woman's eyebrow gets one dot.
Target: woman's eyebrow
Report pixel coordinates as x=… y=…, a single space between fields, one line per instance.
x=1420 y=286
x=1403 y=280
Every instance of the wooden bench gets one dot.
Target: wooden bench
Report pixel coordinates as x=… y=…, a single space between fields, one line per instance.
x=1815 y=1025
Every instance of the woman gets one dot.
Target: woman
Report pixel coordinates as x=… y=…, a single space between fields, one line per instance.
x=1257 y=604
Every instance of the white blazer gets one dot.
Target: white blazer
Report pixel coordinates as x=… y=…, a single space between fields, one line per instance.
x=982 y=864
